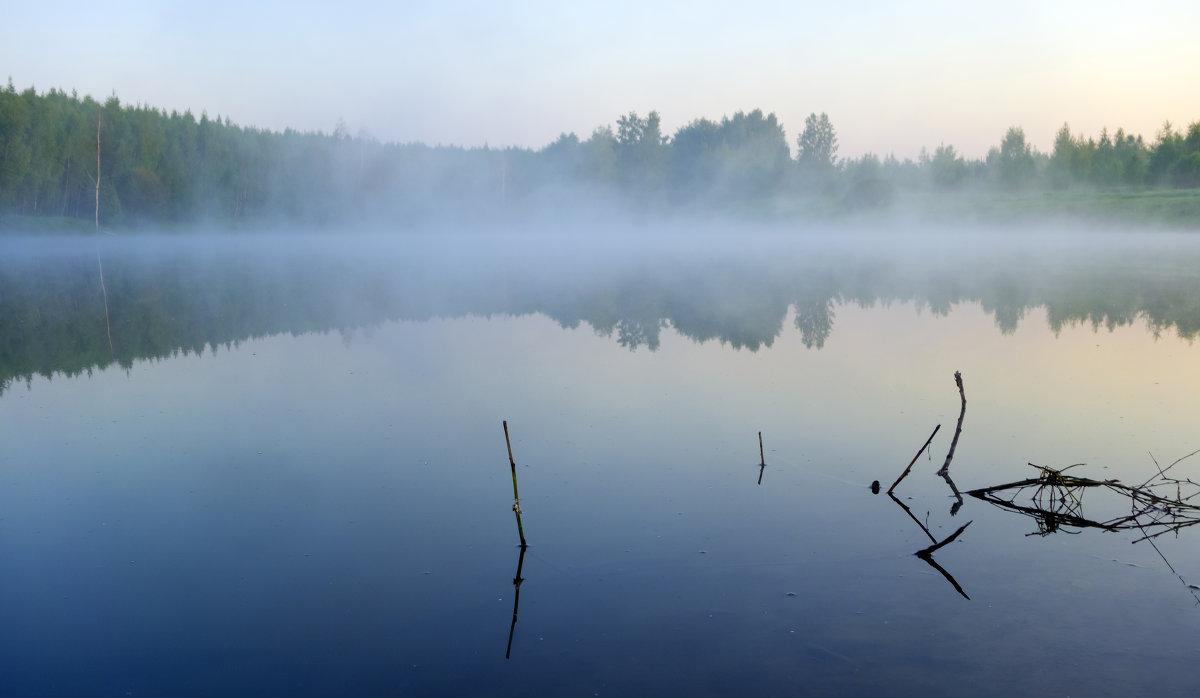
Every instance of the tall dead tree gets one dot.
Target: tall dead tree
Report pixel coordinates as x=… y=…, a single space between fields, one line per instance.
x=99 y=117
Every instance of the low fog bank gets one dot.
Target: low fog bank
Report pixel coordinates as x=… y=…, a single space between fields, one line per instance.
x=456 y=255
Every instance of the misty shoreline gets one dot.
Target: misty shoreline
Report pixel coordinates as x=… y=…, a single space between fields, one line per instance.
x=71 y=161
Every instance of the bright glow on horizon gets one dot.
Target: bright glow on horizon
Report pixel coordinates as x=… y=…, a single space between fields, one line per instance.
x=893 y=80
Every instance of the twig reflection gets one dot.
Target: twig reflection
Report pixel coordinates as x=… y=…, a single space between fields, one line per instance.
x=957 y=495
x=926 y=554
x=1056 y=503
x=949 y=577
x=517 y=579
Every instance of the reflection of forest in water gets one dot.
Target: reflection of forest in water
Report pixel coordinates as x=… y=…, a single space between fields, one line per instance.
x=167 y=296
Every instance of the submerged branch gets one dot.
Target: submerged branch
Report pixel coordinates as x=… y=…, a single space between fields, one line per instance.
x=1057 y=501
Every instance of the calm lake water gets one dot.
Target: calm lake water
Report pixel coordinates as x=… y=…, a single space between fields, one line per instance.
x=276 y=466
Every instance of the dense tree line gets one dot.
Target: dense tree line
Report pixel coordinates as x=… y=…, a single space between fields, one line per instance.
x=1113 y=161
x=156 y=167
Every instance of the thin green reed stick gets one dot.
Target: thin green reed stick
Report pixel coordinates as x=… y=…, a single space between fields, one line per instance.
x=516 y=497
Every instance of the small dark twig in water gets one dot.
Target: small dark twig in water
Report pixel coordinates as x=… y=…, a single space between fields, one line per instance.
x=914 y=460
x=1162 y=472
x=958 y=430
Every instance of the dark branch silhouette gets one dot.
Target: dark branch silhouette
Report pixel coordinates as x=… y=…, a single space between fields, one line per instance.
x=914 y=460
x=958 y=429
x=926 y=554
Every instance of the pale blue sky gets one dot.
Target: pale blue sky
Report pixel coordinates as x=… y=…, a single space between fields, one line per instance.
x=893 y=77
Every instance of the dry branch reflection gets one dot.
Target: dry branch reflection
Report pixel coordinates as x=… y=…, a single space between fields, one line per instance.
x=1055 y=501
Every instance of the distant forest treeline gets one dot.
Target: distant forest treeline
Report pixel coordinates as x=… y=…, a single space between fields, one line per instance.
x=157 y=168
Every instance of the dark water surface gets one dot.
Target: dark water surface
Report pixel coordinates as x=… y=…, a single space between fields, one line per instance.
x=286 y=474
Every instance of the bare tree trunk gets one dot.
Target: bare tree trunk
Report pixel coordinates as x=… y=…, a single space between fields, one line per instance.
x=99 y=264
x=62 y=210
x=99 y=117
x=503 y=177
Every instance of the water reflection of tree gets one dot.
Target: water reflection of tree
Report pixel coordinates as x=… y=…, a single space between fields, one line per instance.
x=1007 y=301
x=185 y=300
x=632 y=334
x=814 y=319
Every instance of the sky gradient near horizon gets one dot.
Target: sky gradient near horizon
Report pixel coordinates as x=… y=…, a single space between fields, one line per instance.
x=893 y=77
